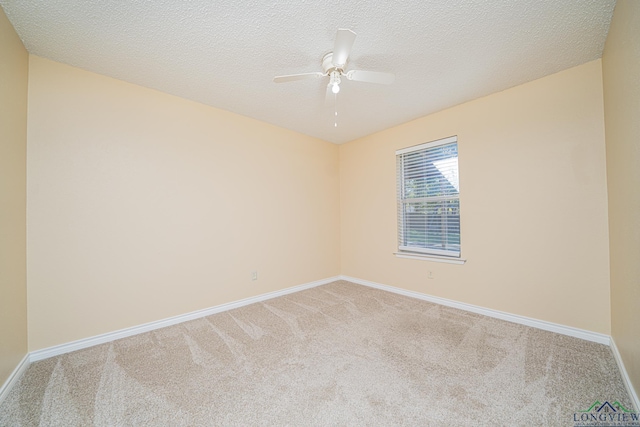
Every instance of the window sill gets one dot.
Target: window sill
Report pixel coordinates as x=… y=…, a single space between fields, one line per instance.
x=433 y=258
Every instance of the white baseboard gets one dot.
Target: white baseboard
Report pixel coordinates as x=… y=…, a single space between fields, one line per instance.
x=625 y=375
x=123 y=333
x=535 y=323
x=14 y=377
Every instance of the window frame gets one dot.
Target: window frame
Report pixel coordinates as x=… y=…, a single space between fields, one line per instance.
x=401 y=202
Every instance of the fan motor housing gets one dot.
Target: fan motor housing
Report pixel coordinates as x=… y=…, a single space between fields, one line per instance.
x=327 y=64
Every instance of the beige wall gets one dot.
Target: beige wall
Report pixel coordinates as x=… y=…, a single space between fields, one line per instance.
x=143 y=205
x=533 y=202
x=14 y=68
x=621 y=72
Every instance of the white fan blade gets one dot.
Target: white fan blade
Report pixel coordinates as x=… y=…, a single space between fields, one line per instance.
x=342 y=47
x=370 y=77
x=330 y=97
x=294 y=77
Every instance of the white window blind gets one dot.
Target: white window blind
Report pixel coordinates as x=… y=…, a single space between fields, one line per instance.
x=429 y=198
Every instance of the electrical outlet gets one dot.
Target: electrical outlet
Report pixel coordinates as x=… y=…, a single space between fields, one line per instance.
x=254 y=275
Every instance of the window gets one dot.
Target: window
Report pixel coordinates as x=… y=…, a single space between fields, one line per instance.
x=429 y=198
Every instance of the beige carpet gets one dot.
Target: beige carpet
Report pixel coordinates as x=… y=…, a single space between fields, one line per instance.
x=338 y=354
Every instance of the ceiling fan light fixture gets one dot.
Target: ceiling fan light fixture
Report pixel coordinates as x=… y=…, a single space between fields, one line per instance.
x=335 y=82
x=334 y=64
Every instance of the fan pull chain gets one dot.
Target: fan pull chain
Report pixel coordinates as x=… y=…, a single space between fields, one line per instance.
x=335 y=110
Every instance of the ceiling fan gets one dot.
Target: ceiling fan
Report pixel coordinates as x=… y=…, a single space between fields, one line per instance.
x=333 y=66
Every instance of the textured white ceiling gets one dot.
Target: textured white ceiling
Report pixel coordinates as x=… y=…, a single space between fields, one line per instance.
x=225 y=53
